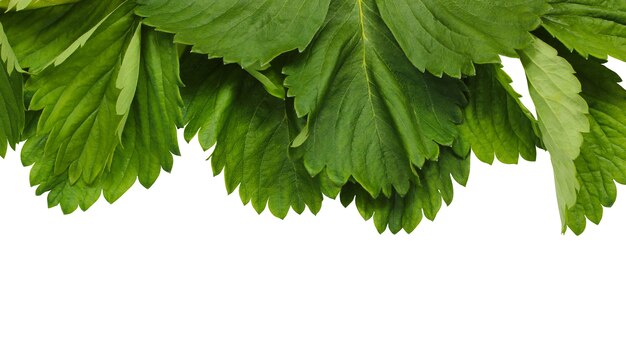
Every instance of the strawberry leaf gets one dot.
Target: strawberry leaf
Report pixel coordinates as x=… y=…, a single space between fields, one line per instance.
x=448 y=37
x=591 y=27
x=562 y=115
x=250 y=33
x=253 y=131
x=372 y=115
x=496 y=123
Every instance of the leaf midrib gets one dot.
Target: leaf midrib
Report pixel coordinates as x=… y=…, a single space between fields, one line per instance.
x=370 y=98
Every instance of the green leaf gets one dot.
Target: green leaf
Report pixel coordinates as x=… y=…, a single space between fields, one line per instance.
x=374 y=101
x=61 y=192
x=128 y=77
x=12 y=117
x=250 y=33
x=150 y=134
x=450 y=36
x=159 y=105
x=562 y=115
x=7 y=55
x=591 y=27
x=271 y=79
x=149 y=139
x=147 y=143
x=78 y=99
x=11 y=110
x=253 y=131
x=602 y=159
x=424 y=198
x=372 y=115
x=125 y=167
x=50 y=35
x=211 y=89
x=496 y=122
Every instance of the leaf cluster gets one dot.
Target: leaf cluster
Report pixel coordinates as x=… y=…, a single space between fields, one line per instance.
x=377 y=103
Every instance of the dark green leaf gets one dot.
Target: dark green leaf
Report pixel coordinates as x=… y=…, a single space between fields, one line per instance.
x=250 y=33
x=372 y=115
x=496 y=123
x=450 y=36
x=254 y=132
x=591 y=27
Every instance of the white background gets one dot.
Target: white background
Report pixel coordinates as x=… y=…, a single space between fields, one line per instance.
x=185 y=260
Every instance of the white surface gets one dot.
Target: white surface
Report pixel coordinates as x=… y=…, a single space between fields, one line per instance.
x=184 y=260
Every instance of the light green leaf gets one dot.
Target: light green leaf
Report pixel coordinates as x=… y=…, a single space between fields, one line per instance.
x=602 y=159
x=562 y=115
x=148 y=139
x=372 y=115
x=496 y=122
x=271 y=79
x=78 y=99
x=250 y=33
x=128 y=77
x=253 y=131
x=50 y=35
x=591 y=27
x=450 y=36
x=7 y=55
